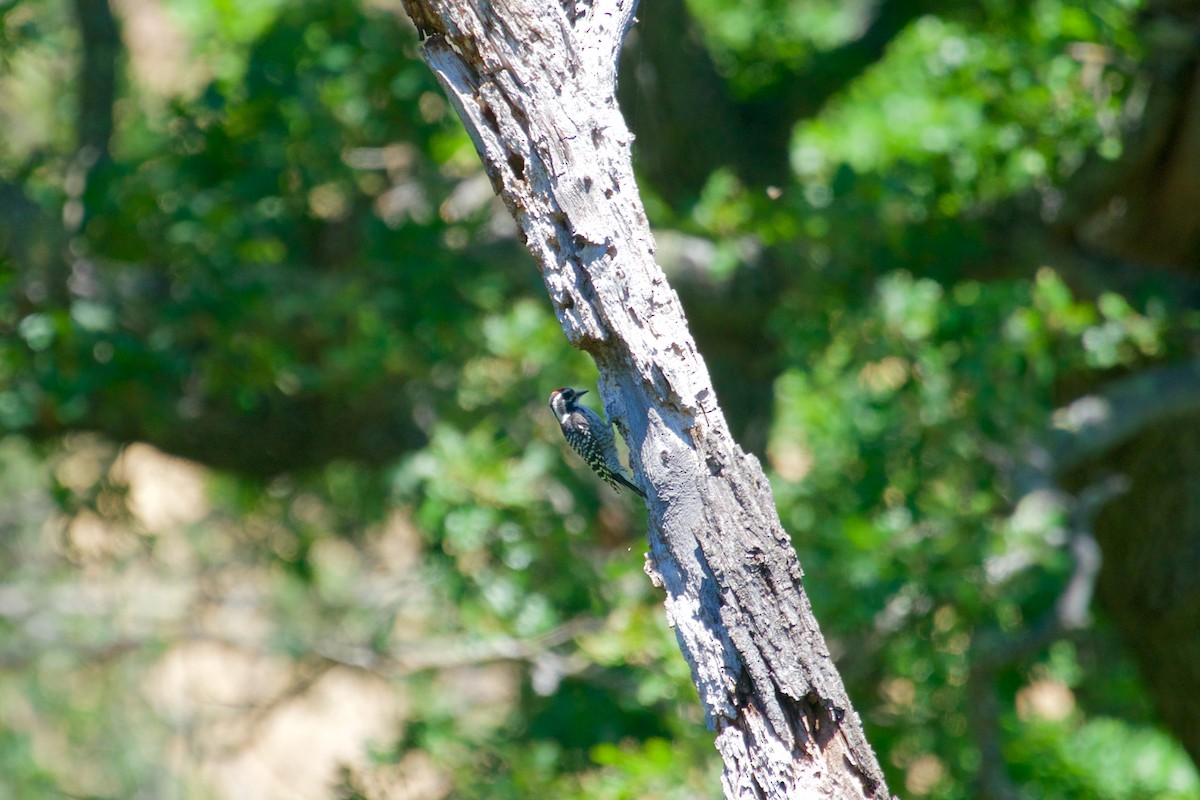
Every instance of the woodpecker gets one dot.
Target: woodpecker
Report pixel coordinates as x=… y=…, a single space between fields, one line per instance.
x=590 y=435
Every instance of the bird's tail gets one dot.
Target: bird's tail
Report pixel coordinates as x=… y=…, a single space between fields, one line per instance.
x=628 y=484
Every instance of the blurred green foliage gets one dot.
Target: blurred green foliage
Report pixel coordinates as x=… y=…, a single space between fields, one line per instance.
x=291 y=269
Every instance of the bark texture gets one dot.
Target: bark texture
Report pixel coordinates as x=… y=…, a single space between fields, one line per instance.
x=535 y=84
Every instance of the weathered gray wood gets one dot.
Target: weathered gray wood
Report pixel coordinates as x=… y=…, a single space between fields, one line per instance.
x=535 y=84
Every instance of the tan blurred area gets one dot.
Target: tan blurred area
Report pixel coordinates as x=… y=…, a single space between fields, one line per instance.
x=174 y=636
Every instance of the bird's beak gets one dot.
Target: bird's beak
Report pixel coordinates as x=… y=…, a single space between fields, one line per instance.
x=585 y=391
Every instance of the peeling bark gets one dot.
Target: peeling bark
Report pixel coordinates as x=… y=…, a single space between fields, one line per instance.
x=535 y=85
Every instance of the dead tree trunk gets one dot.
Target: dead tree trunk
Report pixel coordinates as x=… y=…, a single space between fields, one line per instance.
x=535 y=84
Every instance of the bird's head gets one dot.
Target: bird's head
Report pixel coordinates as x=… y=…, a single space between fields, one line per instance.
x=563 y=400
